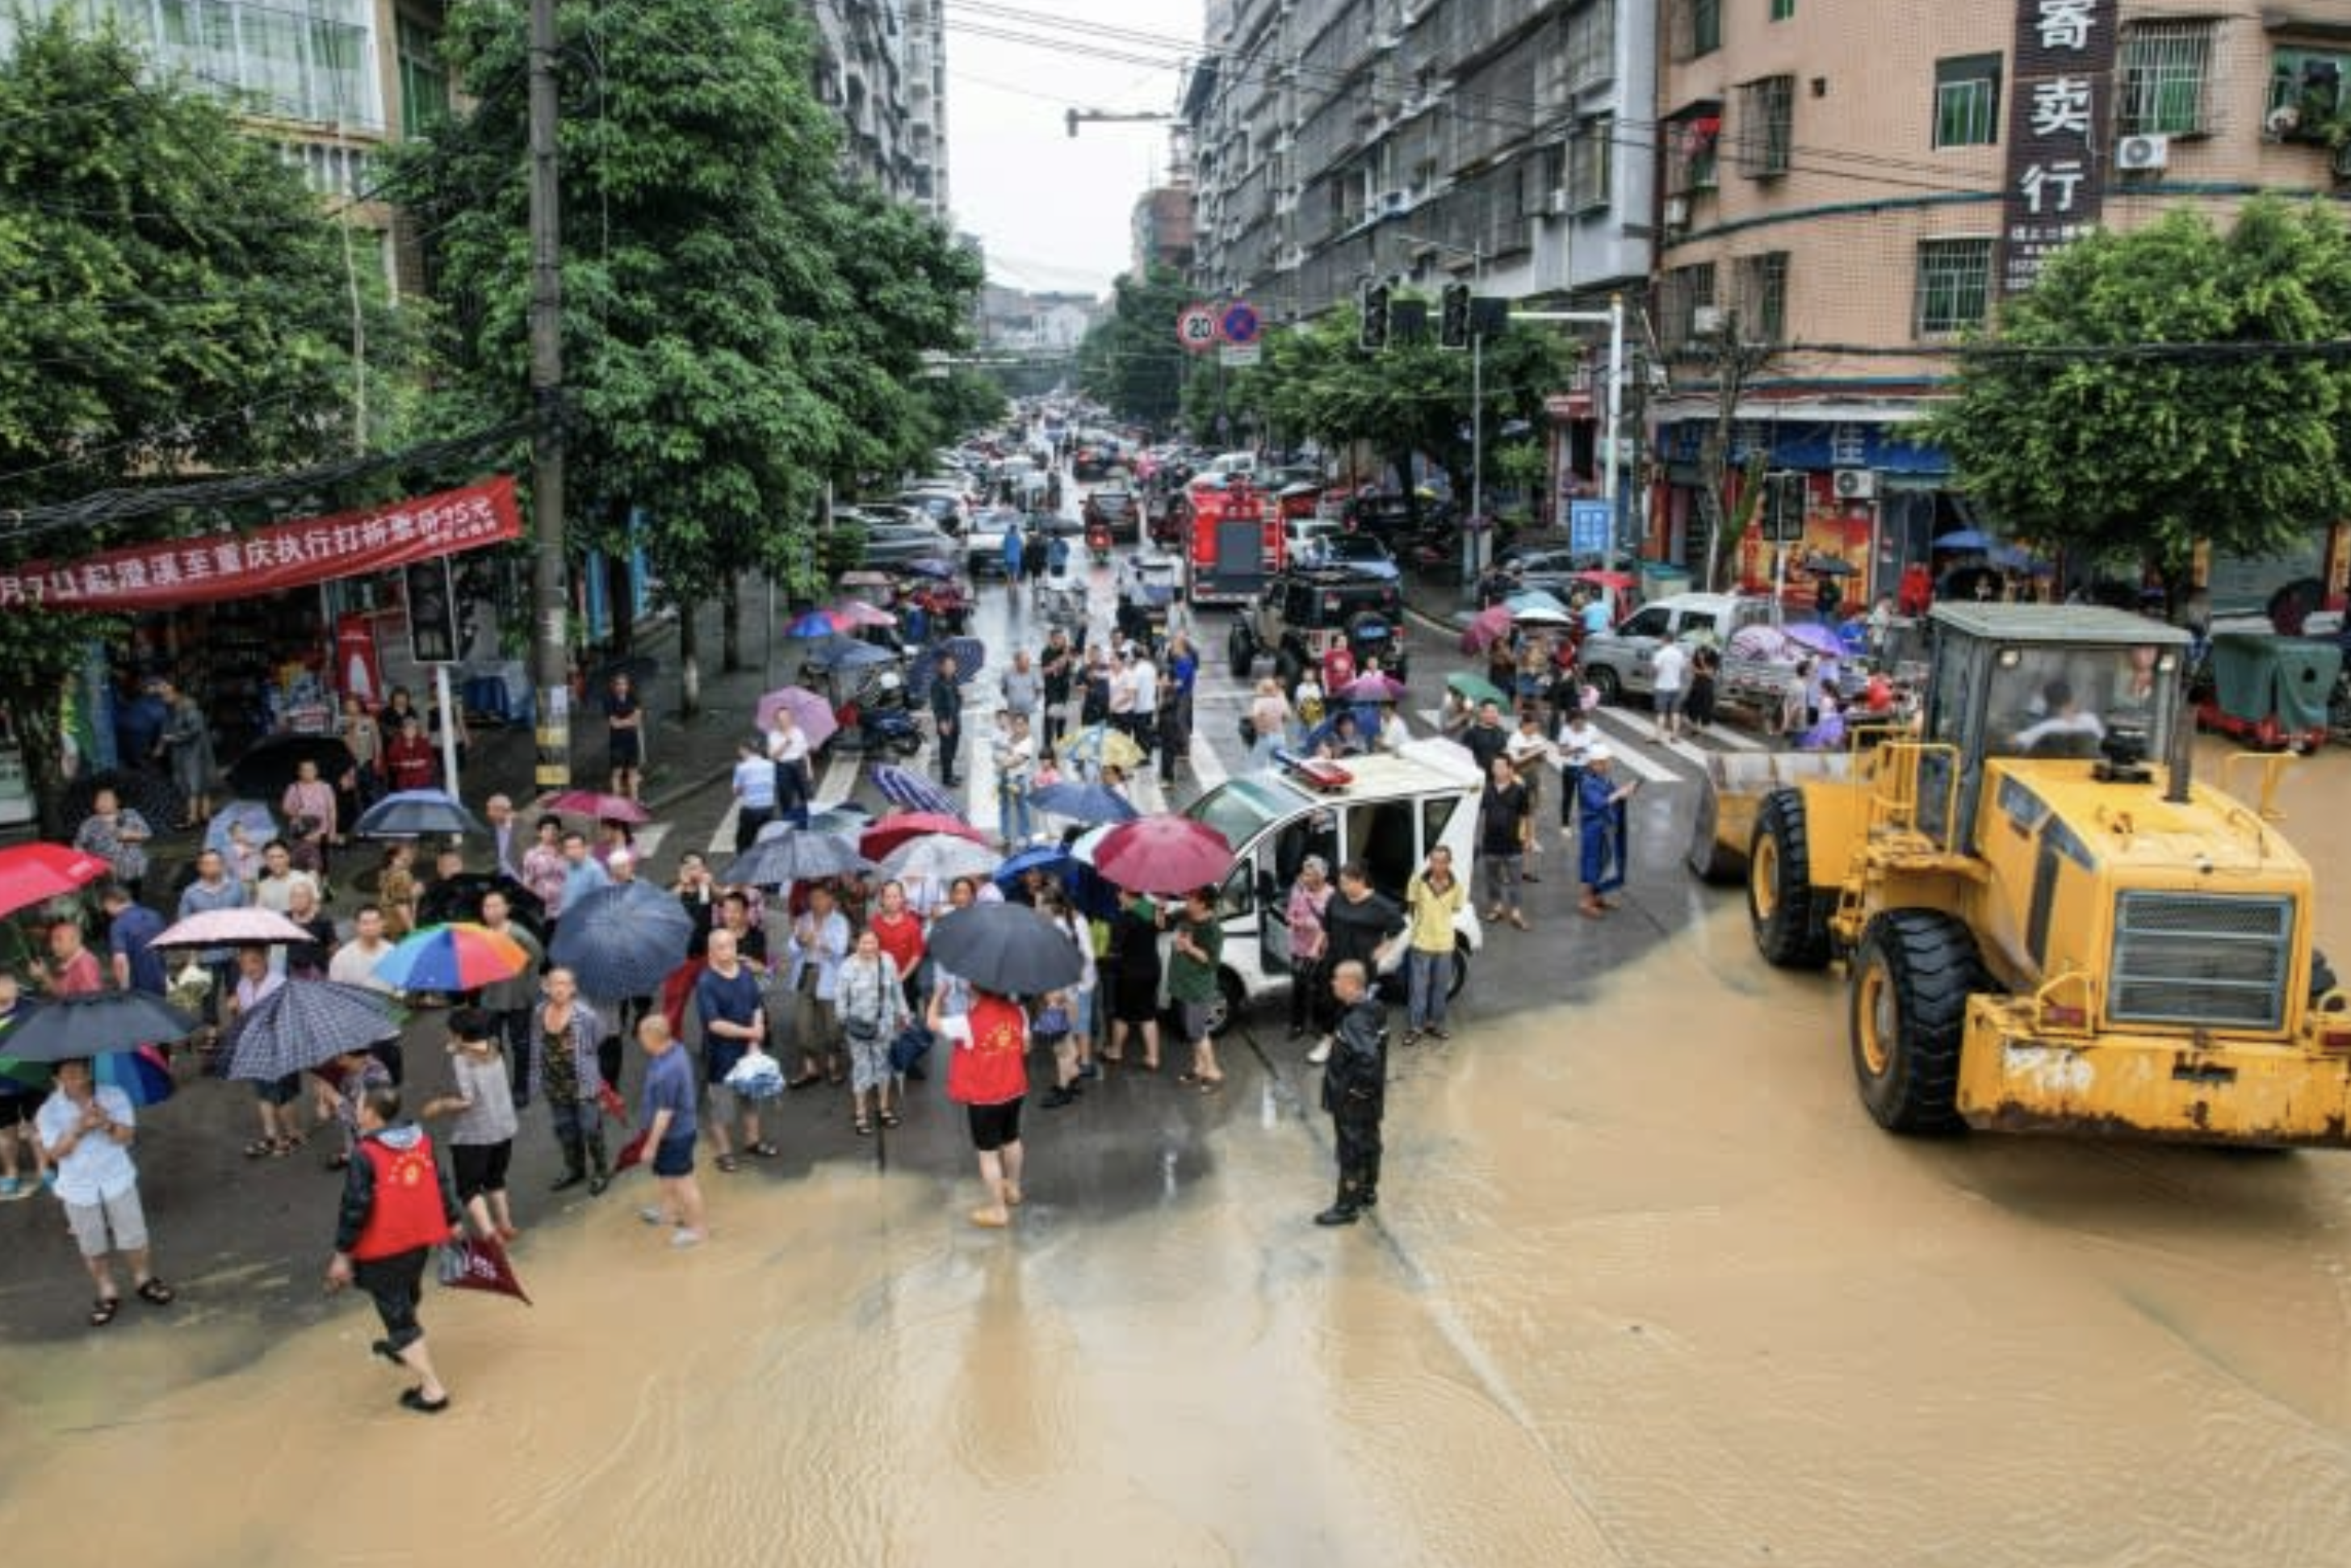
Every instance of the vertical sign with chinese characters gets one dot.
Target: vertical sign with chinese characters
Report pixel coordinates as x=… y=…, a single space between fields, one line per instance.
x=2058 y=98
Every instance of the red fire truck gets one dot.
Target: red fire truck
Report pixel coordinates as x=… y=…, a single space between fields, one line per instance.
x=1234 y=540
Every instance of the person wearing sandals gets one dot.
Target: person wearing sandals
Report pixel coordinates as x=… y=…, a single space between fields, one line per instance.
x=819 y=941
x=273 y=1099
x=85 y=1129
x=734 y=1024
x=564 y=1034
x=872 y=1002
x=988 y=1075
x=1192 y=961
x=481 y=1138
x=398 y=1204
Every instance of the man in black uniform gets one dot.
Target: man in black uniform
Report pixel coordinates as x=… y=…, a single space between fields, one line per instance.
x=946 y=718
x=1354 y=1091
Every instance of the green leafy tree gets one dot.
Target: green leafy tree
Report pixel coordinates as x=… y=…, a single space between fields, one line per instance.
x=742 y=321
x=178 y=304
x=2117 y=452
x=1129 y=360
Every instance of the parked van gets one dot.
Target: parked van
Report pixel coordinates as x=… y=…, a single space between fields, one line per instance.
x=1622 y=661
x=1390 y=811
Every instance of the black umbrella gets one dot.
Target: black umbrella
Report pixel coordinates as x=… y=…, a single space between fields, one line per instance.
x=264 y=771
x=1827 y=565
x=460 y=897
x=622 y=941
x=304 y=1024
x=793 y=856
x=152 y=795
x=413 y=814
x=1006 y=947
x=71 y=1028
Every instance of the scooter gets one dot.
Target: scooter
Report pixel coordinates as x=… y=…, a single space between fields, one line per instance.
x=1098 y=542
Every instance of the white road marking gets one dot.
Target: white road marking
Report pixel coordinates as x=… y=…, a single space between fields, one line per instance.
x=1631 y=737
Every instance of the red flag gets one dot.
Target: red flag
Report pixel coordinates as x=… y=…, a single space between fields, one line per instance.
x=633 y=1152
x=481 y=1265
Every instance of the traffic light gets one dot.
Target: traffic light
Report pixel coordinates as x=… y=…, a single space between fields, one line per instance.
x=1375 y=318
x=1453 y=318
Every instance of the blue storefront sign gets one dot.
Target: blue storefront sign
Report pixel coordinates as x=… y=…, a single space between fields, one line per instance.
x=1587 y=527
x=1811 y=444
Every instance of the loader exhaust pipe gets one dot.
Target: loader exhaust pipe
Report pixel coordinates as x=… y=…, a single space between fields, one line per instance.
x=2181 y=752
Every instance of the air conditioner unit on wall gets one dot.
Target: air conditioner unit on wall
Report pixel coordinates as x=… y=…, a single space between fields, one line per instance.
x=1856 y=484
x=2142 y=152
x=1557 y=206
x=1676 y=212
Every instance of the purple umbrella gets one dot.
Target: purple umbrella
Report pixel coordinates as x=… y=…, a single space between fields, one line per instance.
x=810 y=711
x=1377 y=687
x=1811 y=634
x=1485 y=627
x=901 y=787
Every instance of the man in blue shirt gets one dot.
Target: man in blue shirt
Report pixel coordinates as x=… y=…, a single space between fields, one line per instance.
x=131 y=932
x=582 y=873
x=755 y=791
x=734 y=1024
x=214 y=889
x=668 y=1112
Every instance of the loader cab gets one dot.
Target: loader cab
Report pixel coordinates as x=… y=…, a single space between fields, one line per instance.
x=2042 y=682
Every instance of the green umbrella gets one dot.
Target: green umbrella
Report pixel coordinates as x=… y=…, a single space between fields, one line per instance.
x=1477 y=688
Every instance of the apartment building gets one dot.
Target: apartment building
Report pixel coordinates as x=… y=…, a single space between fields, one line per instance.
x=1337 y=141
x=881 y=67
x=1165 y=227
x=1848 y=186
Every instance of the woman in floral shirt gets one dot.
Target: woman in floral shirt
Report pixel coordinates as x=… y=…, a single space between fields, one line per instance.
x=1309 y=895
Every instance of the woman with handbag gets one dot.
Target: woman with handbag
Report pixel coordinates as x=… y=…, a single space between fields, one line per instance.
x=872 y=1004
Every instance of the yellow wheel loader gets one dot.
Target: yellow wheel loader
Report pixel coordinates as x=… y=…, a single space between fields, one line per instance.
x=2045 y=923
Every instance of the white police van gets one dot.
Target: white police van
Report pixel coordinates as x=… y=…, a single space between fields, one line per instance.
x=1387 y=810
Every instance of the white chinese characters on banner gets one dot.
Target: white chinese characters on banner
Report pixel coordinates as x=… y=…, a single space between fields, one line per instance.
x=2062 y=108
x=2066 y=24
x=2064 y=60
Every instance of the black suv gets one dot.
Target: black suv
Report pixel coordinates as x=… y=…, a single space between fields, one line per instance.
x=1113 y=506
x=1303 y=612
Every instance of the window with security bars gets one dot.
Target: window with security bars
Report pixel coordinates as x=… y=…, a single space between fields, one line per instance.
x=1589 y=157
x=1782 y=10
x=1591 y=44
x=2166 y=78
x=1761 y=293
x=1954 y=286
x=1681 y=294
x=1765 y=127
x=1967 y=100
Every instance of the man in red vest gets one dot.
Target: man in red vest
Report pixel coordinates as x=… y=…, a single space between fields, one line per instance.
x=398 y=1204
x=988 y=1075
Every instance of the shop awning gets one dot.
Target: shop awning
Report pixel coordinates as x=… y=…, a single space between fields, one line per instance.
x=169 y=573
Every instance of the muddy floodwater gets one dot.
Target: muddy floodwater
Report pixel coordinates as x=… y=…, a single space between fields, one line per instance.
x=1647 y=1288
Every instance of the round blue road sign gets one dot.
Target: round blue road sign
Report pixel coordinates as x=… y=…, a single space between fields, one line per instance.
x=1240 y=324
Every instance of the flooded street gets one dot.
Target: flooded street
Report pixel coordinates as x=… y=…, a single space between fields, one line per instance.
x=1647 y=1287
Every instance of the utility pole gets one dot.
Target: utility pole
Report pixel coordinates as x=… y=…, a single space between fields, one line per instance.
x=549 y=601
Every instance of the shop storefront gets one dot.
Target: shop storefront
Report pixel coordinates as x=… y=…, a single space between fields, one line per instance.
x=274 y=627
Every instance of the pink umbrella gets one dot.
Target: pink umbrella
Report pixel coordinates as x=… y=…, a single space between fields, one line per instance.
x=810 y=711
x=595 y=803
x=1485 y=627
x=856 y=613
x=1377 y=687
x=228 y=928
x=1164 y=853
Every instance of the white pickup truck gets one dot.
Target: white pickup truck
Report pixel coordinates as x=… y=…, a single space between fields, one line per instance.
x=1620 y=662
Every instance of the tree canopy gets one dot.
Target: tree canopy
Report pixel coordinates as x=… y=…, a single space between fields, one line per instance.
x=1129 y=360
x=179 y=303
x=2072 y=427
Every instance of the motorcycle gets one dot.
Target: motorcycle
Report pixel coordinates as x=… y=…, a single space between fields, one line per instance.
x=1098 y=542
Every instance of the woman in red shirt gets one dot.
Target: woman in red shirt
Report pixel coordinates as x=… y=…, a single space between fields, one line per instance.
x=987 y=1075
x=900 y=930
x=408 y=759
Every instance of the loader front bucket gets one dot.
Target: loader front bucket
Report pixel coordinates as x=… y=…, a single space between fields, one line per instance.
x=1732 y=793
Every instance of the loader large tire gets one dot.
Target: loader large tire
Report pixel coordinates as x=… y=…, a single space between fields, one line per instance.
x=1789 y=917
x=1911 y=979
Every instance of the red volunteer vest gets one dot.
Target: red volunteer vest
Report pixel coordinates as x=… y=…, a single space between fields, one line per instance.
x=995 y=1069
x=407 y=1213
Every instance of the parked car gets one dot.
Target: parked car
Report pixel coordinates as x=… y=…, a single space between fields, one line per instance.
x=1306 y=609
x=1115 y=507
x=1364 y=554
x=983 y=546
x=896 y=544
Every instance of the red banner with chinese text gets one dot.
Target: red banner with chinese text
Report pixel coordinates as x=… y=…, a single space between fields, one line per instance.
x=172 y=572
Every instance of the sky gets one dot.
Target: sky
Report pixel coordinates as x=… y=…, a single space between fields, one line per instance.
x=1056 y=212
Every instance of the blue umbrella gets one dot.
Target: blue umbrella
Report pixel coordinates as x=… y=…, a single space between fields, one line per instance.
x=1083 y=803
x=413 y=814
x=72 y=1027
x=969 y=654
x=789 y=857
x=903 y=787
x=846 y=654
x=1964 y=539
x=1054 y=858
x=815 y=623
x=928 y=566
x=843 y=821
x=622 y=941
x=260 y=826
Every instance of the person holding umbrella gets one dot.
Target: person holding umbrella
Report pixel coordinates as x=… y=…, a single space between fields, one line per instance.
x=1192 y=984
x=398 y=1204
x=86 y=1131
x=987 y=1075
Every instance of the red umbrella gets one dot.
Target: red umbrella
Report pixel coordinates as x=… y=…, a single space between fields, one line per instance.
x=479 y=1263
x=1484 y=627
x=898 y=826
x=1163 y=853
x=31 y=872
x=594 y=804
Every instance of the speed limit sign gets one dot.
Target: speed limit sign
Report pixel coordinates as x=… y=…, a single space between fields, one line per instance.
x=1197 y=329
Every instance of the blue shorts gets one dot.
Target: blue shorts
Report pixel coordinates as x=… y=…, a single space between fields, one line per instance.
x=673 y=1156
